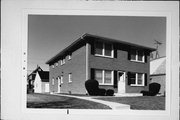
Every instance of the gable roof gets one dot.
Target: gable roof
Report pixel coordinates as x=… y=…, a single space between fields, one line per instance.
x=33 y=73
x=87 y=37
x=158 y=66
x=44 y=75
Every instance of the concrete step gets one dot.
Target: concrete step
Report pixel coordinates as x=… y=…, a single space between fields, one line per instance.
x=128 y=94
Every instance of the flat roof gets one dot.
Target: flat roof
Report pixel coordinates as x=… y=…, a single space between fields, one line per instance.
x=87 y=35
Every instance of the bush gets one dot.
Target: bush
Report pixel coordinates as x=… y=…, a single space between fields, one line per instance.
x=109 y=92
x=92 y=87
x=102 y=92
x=153 y=90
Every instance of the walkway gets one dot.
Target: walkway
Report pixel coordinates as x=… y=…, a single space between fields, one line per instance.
x=113 y=105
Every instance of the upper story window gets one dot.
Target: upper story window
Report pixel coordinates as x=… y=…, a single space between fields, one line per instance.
x=137 y=79
x=52 y=66
x=56 y=64
x=104 y=77
x=69 y=56
x=137 y=55
x=63 y=61
x=104 y=49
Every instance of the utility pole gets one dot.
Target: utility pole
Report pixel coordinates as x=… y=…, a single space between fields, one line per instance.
x=157 y=43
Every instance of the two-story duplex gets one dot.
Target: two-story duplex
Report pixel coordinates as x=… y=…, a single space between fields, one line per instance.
x=115 y=64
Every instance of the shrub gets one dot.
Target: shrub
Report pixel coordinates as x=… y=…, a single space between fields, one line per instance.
x=102 y=92
x=109 y=92
x=153 y=90
x=92 y=87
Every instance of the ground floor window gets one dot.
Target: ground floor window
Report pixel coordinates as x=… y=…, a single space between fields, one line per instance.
x=104 y=77
x=70 y=77
x=136 y=79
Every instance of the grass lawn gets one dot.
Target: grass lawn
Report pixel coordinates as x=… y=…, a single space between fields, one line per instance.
x=139 y=103
x=52 y=101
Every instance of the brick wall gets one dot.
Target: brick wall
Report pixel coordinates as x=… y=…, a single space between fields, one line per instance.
x=76 y=66
x=121 y=63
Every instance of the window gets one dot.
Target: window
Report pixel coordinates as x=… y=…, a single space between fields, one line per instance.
x=104 y=77
x=70 y=77
x=62 y=61
x=107 y=77
x=30 y=77
x=99 y=76
x=136 y=79
x=56 y=64
x=69 y=56
x=61 y=78
x=52 y=66
x=137 y=55
x=103 y=49
x=53 y=81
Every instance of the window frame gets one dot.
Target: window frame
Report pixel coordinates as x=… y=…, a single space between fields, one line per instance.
x=61 y=78
x=103 y=50
x=52 y=66
x=63 y=61
x=136 y=80
x=103 y=77
x=136 y=56
x=69 y=56
x=70 y=77
x=56 y=64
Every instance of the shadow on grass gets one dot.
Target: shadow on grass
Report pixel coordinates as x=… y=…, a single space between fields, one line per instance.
x=61 y=102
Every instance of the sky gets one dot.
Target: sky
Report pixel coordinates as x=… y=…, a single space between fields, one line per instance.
x=49 y=34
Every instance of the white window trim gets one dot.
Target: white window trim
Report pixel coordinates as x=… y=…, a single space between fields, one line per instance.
x=69 y=57
x=61 y=79
x=70 y=77
x=136 y=60
x=103 y=51
x=136 y=82
x=63 y=61
x=103 y=78
x=56 y=64
x=52 y=66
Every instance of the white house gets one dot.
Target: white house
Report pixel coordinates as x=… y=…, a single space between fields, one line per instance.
x=41 y=82
x=158 y=72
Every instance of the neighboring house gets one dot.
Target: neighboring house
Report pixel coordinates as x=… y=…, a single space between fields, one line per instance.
x=158 y=72
x=118 y=65
x=41 y=82
x=31 y=78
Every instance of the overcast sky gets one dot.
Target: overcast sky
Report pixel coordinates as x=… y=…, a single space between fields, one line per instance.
x=47 y=35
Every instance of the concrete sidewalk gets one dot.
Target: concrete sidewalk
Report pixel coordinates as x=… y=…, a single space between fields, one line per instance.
x=113 y=105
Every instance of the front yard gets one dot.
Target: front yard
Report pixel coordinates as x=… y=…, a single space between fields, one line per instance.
x=139 y=103
x=61 y=102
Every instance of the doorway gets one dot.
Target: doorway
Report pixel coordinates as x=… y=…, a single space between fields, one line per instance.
x=59 y=85
x=121 y=81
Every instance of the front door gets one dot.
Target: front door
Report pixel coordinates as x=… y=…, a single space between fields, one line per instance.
x=47 y=87
x=121 y=81
x=59 y=85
